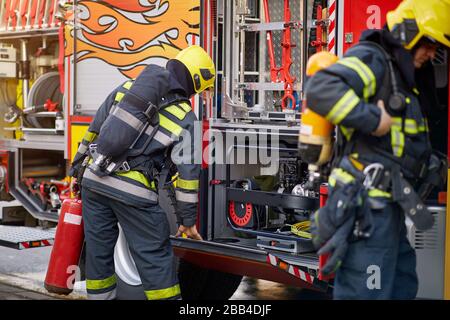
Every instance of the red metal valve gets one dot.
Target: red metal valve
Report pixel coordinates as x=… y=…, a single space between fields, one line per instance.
x=51 y=106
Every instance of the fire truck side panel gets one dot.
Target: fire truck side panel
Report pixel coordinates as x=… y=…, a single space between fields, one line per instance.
x=371 y=14
x=447 y=225
x=77 y=133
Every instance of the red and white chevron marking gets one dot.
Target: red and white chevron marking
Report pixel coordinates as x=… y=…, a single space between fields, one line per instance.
x=332 y=26
x=293 y=270
x=33 y=244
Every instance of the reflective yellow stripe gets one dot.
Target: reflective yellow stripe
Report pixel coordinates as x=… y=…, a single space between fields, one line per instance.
x=416 y=91
x=128 y=85
x=176 y=111
x=364 y=72
x=169 y=125
x=423 y=127
x=139 y=177
x=163 y=293
x=340 y=175
x=119 y=96
x=188 y=184
x=186 y=107
x=101 y=284
x=397 y=136
x=347 y=132
x=332 y=181
x=343 y=107
x=411 y=126
x=377 y=193
x=89 y=136
x=397 y=141
x=358 y=165
x=397 y=123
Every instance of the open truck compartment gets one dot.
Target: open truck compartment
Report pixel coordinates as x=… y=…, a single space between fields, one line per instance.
x=259 y=206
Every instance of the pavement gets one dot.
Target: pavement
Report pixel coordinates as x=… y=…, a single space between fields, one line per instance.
x=22 y=275
x=8 y=292
x=24 y=271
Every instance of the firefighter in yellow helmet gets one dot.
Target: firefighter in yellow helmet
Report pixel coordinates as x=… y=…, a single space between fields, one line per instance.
x=381 y=95
x=124 y=165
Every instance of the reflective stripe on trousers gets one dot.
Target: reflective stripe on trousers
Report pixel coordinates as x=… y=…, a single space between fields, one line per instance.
x=146 y=230
x=101 y=289
x=161 y=294
x=110 y=295
x=186 y=196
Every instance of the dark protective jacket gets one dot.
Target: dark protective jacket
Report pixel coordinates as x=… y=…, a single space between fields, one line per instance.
x=346 y=94
x=176 y=122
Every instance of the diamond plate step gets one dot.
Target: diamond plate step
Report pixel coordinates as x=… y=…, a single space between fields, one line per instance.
x=25 y=238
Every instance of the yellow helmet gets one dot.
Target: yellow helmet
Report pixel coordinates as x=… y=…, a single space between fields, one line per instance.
x=200 y=66
x=414 y=19
x=319 y=61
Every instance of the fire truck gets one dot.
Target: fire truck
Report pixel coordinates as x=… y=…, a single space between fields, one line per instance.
x=60 y=59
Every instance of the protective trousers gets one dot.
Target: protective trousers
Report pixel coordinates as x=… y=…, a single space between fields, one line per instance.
x=382 y=266
x=147 y=232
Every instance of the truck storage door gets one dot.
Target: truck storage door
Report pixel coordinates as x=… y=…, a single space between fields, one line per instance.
x=360 y=15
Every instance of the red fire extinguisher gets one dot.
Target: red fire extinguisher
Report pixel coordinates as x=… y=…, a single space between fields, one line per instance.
x=63 y=266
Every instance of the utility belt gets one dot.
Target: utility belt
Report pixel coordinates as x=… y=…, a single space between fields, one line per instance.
x=367 y=151
x=155 y=174
x=383 y=182
x=148 y=180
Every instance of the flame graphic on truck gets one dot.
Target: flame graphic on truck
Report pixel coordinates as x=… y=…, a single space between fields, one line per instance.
x=127 y=33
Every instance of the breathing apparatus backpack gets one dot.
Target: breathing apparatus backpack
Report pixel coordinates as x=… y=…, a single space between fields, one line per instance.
x=135 y=116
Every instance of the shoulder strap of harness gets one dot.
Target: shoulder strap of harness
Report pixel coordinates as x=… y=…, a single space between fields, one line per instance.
x=133 y=158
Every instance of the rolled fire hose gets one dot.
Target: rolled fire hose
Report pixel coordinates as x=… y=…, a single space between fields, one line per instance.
x=45 y=87
x=3 y=174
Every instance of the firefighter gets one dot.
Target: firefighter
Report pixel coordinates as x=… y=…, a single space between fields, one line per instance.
x=125 y=160
x=379 y=95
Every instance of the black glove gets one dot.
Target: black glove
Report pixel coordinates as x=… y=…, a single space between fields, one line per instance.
x=436 y=175
x=337 y=246
x=340 y=206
